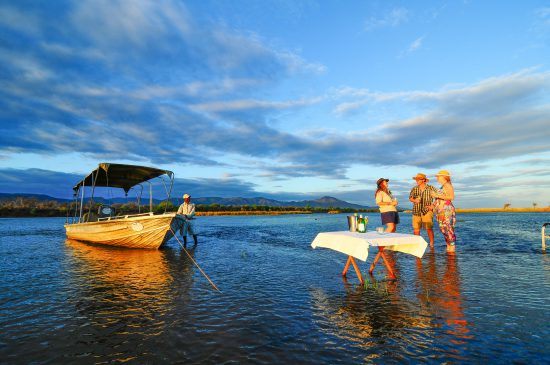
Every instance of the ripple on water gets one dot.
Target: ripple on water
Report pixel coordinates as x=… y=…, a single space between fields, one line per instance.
x=281 y=301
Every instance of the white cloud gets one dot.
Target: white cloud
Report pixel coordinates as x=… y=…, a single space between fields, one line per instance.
x=19 y=20
x=416 y=44
x=240 y=105
x=544 y=15
x=394 y=18
x=111 y=23
x=491 y=90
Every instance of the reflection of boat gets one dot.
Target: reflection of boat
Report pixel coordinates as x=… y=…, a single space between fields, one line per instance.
x=145 y=230
x=125 y=294
x=120 y=268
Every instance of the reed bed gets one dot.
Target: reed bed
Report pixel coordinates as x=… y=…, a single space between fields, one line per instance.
x=496 y=210
x=254 y=212
x=502 y=210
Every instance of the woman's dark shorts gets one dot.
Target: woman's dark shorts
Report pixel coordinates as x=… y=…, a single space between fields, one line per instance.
x=390 y=217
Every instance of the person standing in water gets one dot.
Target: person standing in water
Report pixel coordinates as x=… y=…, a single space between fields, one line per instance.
x=445 y=210
x=187 y=210
x=422 y=197
x=387 y=204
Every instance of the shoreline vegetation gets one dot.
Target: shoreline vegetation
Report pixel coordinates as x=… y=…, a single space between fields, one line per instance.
x=502 y=210
x=29 y=207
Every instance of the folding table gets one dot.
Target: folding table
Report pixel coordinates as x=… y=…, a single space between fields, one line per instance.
x=356 y=245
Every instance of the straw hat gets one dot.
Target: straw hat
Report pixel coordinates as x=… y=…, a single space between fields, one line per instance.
x=185 y=196
x=443 y=173
x=420 y=176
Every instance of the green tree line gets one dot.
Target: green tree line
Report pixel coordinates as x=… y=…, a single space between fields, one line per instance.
x=31 y=207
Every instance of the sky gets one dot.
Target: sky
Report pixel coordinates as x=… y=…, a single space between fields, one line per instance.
x=288 y=100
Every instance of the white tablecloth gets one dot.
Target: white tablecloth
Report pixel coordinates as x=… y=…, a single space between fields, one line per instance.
x=357 y=244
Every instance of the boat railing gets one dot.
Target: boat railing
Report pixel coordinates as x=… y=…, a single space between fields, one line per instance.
x=129 y=216
x=544 y=236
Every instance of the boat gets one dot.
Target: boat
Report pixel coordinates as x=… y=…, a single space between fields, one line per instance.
x=103 y=226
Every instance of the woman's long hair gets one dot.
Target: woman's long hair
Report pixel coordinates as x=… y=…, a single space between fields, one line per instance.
x=448 y=178
x=385 y=190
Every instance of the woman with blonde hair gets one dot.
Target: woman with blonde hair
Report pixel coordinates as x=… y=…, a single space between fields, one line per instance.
x=444 y=209
x=387 y=204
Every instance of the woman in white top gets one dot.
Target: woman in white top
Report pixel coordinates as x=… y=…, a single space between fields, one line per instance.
x=387 y=204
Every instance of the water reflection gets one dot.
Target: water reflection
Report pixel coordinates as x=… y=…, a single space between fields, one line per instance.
x=545 y=263
x=391 y=261
x=440 y=296
x=124 y=295
x=369 y=315
x=379 y=312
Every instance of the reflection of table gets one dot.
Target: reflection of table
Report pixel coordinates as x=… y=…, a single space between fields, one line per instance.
x=356 y=245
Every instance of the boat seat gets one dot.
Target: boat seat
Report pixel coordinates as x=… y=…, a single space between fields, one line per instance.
x=89 y=217
x=105 y=211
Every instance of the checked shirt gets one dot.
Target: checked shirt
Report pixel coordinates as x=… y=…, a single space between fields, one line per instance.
x=426 y=199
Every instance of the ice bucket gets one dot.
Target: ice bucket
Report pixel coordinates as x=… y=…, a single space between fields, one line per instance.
x=352 y=223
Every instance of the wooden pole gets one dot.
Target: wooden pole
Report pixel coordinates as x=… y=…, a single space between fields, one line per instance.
x=195 y=262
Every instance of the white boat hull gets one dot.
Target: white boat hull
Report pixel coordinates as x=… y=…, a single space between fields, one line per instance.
x=137 y=231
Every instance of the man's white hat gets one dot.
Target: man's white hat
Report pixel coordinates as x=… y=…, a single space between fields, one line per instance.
x=185 y=196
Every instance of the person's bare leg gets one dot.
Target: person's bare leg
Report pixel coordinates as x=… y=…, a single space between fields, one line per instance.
x=390 y=228
x=431 y=236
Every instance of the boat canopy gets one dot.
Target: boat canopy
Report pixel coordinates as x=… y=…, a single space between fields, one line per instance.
x=120 y=176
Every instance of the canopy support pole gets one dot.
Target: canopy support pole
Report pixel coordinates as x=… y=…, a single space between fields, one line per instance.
x=81 y=204
x=150 y=197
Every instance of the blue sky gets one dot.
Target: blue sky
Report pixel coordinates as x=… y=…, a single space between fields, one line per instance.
x=281 y=99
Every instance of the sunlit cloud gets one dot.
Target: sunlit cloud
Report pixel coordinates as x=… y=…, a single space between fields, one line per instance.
x=141 y=81
x=236 y=105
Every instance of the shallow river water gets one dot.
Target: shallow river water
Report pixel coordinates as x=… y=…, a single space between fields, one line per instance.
x=281 y=301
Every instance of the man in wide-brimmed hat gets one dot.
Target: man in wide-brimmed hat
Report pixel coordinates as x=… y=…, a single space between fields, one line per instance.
x=422 y=197
x=187 y=211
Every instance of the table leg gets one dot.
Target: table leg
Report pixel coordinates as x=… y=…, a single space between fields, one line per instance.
x=357 y=271
x=379 y=255
x=347 y=266
x=376 y=258
x=388 y=266
x=351 y=260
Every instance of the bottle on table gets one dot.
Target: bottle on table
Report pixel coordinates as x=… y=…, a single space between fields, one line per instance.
x=361 y=224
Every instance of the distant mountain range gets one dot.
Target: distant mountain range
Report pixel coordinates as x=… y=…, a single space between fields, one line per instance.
x=40 y=197
x=324 y=202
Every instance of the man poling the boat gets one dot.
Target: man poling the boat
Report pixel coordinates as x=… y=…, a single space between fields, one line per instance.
x=187 y=213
